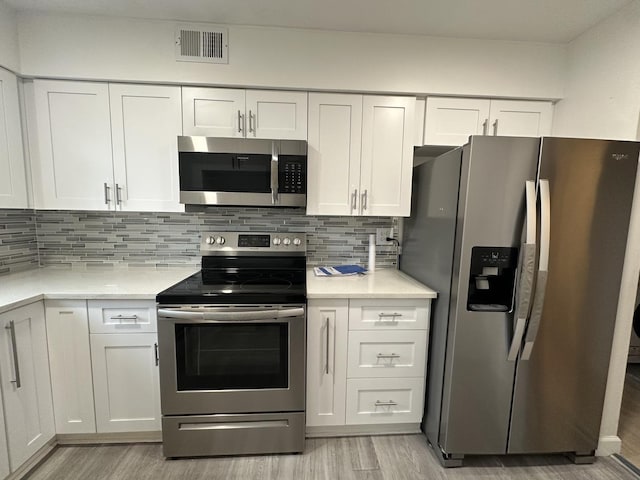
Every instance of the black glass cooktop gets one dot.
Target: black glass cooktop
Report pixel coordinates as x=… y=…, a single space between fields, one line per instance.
x=241 y=280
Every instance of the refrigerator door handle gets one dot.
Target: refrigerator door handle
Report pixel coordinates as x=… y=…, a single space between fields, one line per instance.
x=527 y=272
x=543 y=267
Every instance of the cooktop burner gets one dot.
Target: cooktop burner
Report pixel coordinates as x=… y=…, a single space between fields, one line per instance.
x=233 y=273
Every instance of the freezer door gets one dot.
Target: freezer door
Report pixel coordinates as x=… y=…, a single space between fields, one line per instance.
x=477 y=375
x=562 y=371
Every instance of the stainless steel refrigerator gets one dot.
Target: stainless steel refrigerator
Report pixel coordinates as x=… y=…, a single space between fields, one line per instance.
x=524 y=240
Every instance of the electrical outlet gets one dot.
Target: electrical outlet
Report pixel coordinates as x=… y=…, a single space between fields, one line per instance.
x=382 y=234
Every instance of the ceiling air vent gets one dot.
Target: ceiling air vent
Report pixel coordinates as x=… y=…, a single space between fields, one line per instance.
x=197 y=44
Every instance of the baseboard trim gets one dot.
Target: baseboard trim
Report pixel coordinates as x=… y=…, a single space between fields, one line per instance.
x=102 y=438
x=356 y=430
x=608 y=445
x=34 y=461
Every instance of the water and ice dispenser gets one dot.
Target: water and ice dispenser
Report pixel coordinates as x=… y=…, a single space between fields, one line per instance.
x=492 y=279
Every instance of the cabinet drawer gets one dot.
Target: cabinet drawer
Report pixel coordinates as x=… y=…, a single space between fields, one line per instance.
x=121 y=316
x=384 y=400
x=387 y=354
x=388 y=314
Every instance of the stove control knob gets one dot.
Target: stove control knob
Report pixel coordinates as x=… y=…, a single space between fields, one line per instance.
x=286 y=240
x=220 y=240
x=297 y=241
x=210 y=240
x=276 y=241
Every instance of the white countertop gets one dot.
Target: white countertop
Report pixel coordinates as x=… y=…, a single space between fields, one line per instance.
x=387 y=283
x=21 y=288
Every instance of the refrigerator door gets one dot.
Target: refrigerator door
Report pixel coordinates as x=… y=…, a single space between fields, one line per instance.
x=477 y=375
x=561 y=375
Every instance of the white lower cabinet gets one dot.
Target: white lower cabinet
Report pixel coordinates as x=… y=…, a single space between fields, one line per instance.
x=384 y=400
x=125 y=382
x=4 y=451
x=366 y=364
x=327 y=329
x=26 y=385
x=70 y=364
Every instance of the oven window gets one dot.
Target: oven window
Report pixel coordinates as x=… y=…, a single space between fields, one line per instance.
x=232 y=356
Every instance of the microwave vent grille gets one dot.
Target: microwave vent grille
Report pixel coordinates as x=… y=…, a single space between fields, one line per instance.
x=195 y=44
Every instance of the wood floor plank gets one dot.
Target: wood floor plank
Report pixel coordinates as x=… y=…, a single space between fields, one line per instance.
x=394 y=457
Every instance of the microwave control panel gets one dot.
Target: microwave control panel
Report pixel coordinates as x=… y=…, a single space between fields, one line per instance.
x=292 y=174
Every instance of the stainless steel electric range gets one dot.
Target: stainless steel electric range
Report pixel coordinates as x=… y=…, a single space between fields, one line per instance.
x=232 y=348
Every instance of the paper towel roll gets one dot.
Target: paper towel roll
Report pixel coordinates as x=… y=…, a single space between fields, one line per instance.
x=372 y=252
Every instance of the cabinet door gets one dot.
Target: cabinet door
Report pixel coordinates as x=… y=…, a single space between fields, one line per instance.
x=26 y=385
x=146 y=121
x=125 y=382
x=72 y=161
x=514 y=118
x=70 y=365
x=327 y=329
x=333 y=165
x=13 y=182
x=4 y=451
x=387 y=155
x=274 y=114
x=450 y=121
x=213 y=112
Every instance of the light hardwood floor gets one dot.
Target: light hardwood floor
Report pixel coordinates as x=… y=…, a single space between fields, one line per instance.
x=398 y=457
x=629 y=429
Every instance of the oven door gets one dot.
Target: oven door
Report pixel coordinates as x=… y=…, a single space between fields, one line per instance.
x=231 y=359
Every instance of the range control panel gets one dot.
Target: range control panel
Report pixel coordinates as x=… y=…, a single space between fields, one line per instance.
x=263 y=243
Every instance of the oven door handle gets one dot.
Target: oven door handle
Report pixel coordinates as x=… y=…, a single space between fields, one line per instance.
x=219 y=315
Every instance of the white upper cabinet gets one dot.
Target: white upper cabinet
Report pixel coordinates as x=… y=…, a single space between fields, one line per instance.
x=450 y=121
x=513 y=118
x=72 y=168
x=225 y=112
x=333 y=164
x=360 y=154
x=145 y=124
x=26 y=385
x=387 y=155
x=105 y=147
x=13 y=182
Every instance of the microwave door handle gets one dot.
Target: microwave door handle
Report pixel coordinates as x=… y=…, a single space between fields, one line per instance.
x=543 y=269
x=527 y=272
x=274 y=173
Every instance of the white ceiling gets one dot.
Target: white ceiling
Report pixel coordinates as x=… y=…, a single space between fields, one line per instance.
x=526 y=20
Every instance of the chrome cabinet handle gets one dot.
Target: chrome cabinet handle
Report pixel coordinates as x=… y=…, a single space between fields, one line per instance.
x=354 y=199
x=14 y=347
x=155 y=349
x=485 y=125
x=107 y=200
x=363 y=200
x=240 y=121
x=382 y=315
x=326 y=365
x=118 y=194
x=390 y=403
x=252 y=127
x=124 y=317
x=495 y=127
x=388 y=355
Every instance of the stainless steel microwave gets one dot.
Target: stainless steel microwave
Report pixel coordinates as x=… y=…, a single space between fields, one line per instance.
x=242 y=171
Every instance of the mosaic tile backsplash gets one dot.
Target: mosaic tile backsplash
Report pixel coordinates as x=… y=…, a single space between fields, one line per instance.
x=104 y=239
x=18 y=244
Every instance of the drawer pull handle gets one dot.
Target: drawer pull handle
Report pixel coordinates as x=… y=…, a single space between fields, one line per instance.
x=388 y=355
x=392 y=316
x=124 y=317
x=390 y=403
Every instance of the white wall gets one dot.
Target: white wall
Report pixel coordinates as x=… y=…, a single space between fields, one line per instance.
x=602 y=91
x=139 y=50
x=9 y=38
